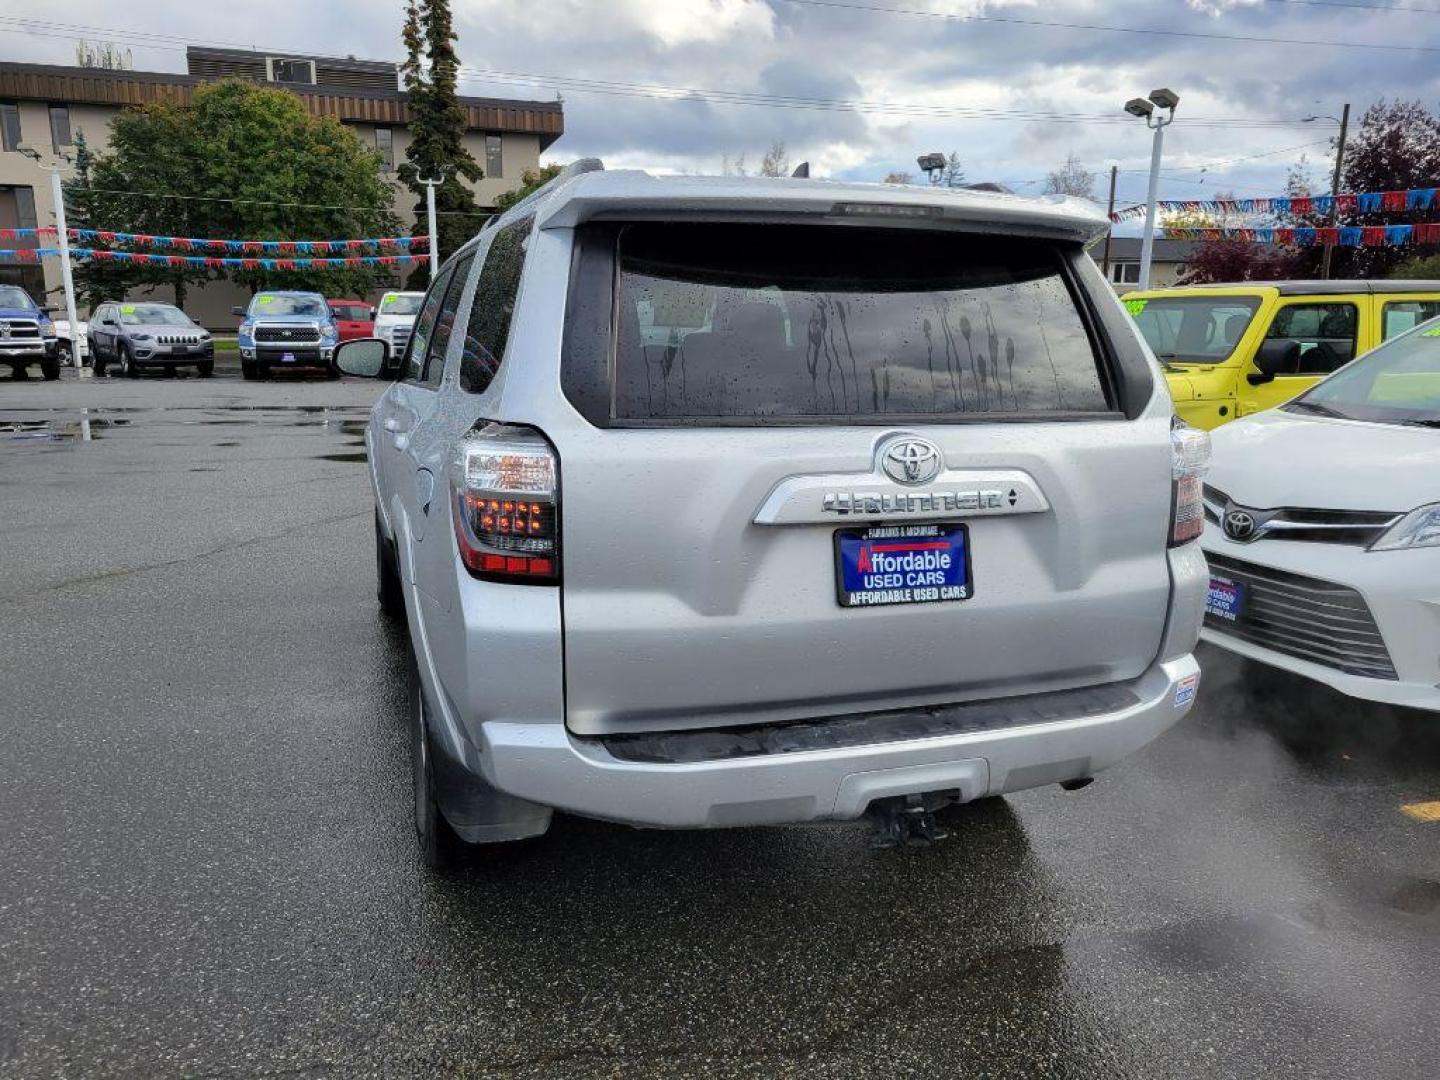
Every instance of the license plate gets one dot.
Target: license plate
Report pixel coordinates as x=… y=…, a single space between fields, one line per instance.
x=902 y=564
x=287 y=357
x=179 y=350
x=1226 y=599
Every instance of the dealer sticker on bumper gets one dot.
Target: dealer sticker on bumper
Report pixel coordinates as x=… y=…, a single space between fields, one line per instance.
x=1185 y=690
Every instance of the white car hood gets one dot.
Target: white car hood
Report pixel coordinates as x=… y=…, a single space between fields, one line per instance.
x=1278 y=459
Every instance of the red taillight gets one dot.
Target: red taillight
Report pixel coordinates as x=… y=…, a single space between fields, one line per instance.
x=504 y=488
x=1189 y=461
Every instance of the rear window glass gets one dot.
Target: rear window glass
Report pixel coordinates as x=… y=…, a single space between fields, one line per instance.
x=757 y=321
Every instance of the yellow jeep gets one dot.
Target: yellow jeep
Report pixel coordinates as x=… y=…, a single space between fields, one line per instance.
x=1233 y=350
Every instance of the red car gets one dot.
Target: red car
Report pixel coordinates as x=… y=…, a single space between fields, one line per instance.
x=353 y=318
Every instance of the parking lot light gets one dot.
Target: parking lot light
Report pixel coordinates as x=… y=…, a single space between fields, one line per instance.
x=1158 y=112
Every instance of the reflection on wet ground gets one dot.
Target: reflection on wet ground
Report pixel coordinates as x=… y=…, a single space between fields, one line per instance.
x=209 y=860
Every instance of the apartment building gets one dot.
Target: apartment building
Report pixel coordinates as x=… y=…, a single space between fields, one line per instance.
x=43 y=106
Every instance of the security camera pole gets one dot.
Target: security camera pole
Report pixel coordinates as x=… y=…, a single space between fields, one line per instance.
x=1146 y=109
x=430 y=186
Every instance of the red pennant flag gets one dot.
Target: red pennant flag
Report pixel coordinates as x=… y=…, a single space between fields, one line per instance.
x=287 y=247
x=1393 y=200
x=107 y=237
x=1303 y=205
x=1345 y=203
x=1327 y=235
x=252 y=246
x=1373 y=236
x=285 y=264
x=1284 y=236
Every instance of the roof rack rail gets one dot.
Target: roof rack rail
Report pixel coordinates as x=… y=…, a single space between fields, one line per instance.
x=575 y=168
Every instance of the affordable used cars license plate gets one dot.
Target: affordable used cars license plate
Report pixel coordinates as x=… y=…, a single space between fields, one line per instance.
x=1226 y=599
x=287 y=357
x=902 y=564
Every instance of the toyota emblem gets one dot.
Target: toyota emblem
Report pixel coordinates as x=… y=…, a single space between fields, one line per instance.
x=1239 y=524
x=909 y=460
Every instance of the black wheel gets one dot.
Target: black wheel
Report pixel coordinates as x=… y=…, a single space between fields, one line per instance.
x=50 y=367
x=128 y=367
x=98 y=360
x=63 y=353
x=439 y=846
x=247 y=369
x=205 y=368
x=387 y=576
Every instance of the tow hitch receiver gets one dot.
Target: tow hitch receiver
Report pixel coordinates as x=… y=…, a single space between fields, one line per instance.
x=902 y=820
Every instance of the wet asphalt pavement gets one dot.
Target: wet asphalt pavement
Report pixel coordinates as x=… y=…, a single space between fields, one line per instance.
x=209 y=868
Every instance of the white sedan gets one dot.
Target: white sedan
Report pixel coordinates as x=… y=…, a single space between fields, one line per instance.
x=1323 y=528
x=62 y=331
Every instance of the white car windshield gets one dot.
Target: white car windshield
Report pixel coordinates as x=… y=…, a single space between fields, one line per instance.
x=401 y=304
x=1397 y=383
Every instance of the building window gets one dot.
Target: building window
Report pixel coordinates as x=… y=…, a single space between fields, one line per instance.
x=292 y=71
x=1125 y=273
x=9 y=125
x=493 y=159
x=385 y=147
x=59 y=126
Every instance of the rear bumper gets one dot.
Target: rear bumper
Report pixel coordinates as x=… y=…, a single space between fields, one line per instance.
x=544 y=764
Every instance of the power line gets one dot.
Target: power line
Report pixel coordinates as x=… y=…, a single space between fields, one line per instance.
x=1391 y=8
x=1015 y=20
x=659 y=91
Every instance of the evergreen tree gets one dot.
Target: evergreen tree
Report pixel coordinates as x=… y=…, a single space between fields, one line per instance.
x=437 y=128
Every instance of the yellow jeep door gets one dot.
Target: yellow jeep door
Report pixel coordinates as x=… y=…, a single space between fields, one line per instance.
x=1306 y=340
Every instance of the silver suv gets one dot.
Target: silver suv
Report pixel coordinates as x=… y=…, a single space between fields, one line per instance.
x=718 y=502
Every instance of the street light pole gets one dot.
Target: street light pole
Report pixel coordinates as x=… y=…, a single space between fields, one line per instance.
x=430 y=186
x=1166 y=100
x=1109 y=211
x=1335 y=188
x=1147 y=244
x=57 y=194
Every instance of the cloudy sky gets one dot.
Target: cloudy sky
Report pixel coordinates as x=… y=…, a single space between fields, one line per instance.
x=860 y=87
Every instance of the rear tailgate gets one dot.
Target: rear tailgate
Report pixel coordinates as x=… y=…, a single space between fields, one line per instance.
x=767 y=390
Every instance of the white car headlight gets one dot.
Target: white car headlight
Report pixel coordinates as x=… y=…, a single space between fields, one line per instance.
x=1417 y=529
x=47 y=329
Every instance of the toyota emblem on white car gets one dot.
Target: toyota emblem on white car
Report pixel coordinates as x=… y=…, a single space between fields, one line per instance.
x=909 y=460
x=1239 y=524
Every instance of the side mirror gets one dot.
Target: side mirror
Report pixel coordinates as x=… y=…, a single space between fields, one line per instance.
x=1275 y=357
x=48 y=310
x=238 y=310
x=373 y=313
x=364 y=357
x=107 y=322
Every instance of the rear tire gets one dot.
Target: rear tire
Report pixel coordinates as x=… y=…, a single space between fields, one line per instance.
x=387 y=576
x=50 y=367
x=440 y=847
x=100 y=362
x=127 y=363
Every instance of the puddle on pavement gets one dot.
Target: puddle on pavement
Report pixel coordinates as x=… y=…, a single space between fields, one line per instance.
x=87 y=425
x=83 y=427
x=1416 y=896
x=340 y=457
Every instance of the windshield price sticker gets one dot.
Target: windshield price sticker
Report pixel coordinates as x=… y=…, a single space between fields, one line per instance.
x=902 y=564
x=1135 y=307
x=264 y=299
x=127 y=309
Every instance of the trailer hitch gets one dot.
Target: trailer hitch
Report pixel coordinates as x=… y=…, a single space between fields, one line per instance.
x=906 y=820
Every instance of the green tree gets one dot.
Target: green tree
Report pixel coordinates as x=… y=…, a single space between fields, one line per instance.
x=238 y=162
x=531 y=180
x=437 y=126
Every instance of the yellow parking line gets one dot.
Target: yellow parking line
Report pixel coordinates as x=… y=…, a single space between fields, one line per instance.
x=1422 y=811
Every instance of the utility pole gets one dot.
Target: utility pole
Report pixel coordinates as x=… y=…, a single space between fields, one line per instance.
x=1335 y=188
x=1105 y=263
x=430 y=186
x=57 y=193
